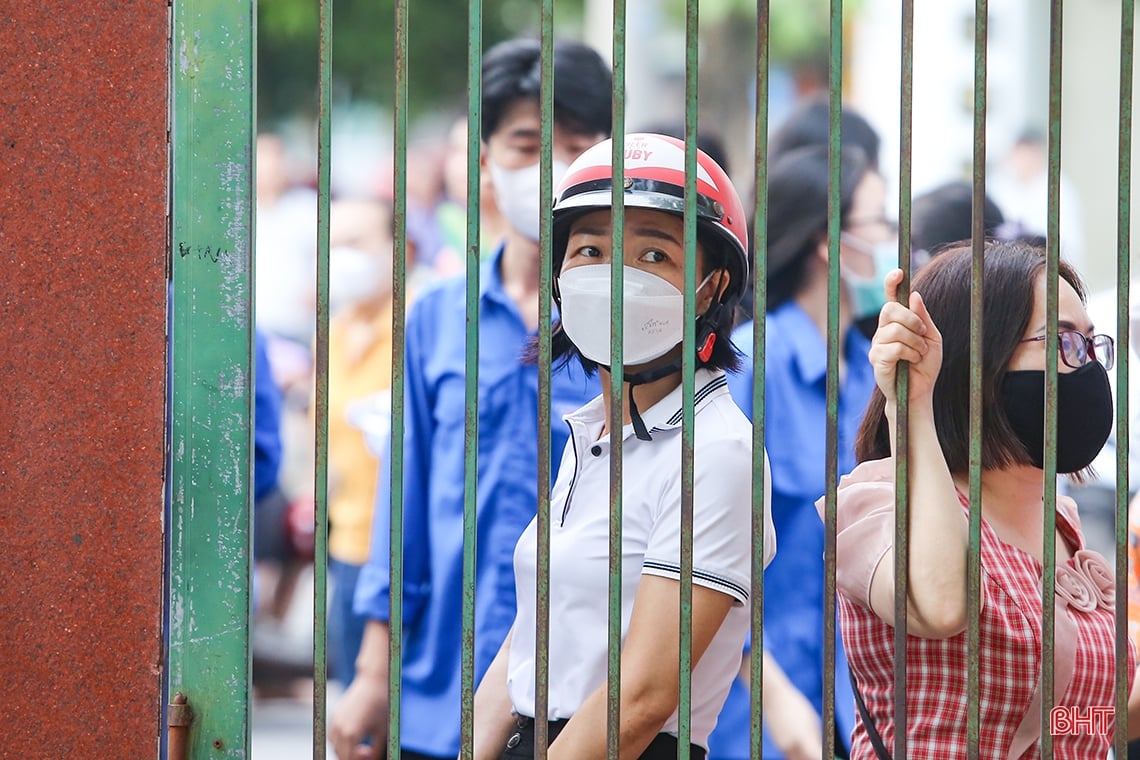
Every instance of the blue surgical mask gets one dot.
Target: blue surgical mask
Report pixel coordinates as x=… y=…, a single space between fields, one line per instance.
x=865 y=294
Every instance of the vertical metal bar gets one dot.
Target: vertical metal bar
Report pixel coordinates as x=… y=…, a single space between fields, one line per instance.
x=212 y=128
x=1051 y=356
x=834 y=227
x=617 y=364
x=759 y=351
x=399 y=320
x=688 y=386
x=471 y=389
x=546 y=201
x=977 y=277
x=1123 y=278
x=902 y=386
x=1052 y=259
x=321 y=388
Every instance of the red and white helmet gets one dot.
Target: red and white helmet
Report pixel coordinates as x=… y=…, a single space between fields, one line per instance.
x=655 y=179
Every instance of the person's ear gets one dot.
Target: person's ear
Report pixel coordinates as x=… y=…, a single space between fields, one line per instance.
x=821 y=249
x=715 y=287
x=486 y=187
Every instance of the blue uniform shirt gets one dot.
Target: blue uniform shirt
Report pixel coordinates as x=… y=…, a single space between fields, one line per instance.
x=796 y=441
x=267 y=423
x=433 y=495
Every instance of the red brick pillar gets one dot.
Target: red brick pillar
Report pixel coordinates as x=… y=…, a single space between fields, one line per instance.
x=83 y=240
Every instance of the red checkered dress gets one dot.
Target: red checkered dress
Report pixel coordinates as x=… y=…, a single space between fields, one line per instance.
x=1010 y=639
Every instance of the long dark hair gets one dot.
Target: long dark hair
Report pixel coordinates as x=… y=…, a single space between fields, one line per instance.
x=797 y=212
x=1010 y=270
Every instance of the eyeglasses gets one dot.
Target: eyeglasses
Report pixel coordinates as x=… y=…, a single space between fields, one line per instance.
x=1077 y=349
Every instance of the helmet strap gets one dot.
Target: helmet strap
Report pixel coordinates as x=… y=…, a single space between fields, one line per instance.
x=707 y=326
x=640 y=378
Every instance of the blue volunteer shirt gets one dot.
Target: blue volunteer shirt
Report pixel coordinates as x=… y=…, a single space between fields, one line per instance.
x=267 y=422
x=506 y=498
x=795 y=407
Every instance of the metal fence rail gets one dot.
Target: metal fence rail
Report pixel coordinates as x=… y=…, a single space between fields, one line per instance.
x=212 y=126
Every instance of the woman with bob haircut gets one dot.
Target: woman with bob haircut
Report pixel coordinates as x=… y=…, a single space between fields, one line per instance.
x=653 y=403
x=932 y=334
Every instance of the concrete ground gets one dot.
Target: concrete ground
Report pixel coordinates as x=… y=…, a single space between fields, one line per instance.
x=282 y=726
x=283 y=729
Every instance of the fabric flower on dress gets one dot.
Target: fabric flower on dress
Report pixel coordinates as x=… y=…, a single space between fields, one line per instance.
x=1096 y=569
x=1076 y=588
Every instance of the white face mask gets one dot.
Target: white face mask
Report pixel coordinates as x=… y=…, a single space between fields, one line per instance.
x=517 y=194
x=356 y=276
x=654 y=311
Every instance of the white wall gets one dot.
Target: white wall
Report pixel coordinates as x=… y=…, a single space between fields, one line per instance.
x=1017 y=91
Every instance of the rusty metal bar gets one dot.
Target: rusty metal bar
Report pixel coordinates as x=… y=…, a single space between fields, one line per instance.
x=688 y=386
x=321 y=389
x=616 y=421
x=545 y=278
x=399 y=358
x=759 y=352
x=902 y=387
x=179 y=716
x=831 y=478
x=471 y=376
x=1052 y=274
x=977 y=277
x=1123 y=286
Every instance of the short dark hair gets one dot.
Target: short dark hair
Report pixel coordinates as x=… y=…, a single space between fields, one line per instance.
x=709 y=142
x=1011 y=270
x=944 y=215
x=810 y=124
x=724 y=355
x=583 y=89
x=797 y=212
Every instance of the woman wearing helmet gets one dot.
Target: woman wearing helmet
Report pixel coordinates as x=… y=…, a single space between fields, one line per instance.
x=653 y=250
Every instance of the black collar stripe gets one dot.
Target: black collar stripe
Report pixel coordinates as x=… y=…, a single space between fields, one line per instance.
x=700 y=396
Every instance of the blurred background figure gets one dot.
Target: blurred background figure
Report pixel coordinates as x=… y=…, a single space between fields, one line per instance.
x=285 y=298
x=360 y=373
x=710 y=142
x=945 y=215
x=434 y=450
x=451 y=213
x=810 y=124
x=286 y=222
x=1020 y=186
x=796 y=408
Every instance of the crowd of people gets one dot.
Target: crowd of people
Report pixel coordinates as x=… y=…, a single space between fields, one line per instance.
x=878 y=333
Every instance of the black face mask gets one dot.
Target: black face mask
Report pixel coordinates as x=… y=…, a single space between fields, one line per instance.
x=1084 y=414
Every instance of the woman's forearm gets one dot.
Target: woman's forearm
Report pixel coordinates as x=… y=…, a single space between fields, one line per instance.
x=493 y=709
x=650 y=671
x=584 y=737
x=939 y=539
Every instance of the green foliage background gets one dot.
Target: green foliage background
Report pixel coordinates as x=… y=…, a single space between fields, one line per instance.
x=364 y=50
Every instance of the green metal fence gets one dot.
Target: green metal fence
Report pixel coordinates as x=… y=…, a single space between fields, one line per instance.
x=212 y=128
x=212 y=131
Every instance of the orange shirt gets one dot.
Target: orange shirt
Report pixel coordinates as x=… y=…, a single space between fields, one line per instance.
x=360 y=366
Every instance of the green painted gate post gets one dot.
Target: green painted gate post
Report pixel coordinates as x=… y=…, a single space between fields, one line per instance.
x=212 y=130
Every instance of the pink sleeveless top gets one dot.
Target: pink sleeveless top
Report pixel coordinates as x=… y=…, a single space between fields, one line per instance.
x=1084 y=650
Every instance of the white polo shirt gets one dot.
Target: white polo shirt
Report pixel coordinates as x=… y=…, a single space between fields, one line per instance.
x=651 y=541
